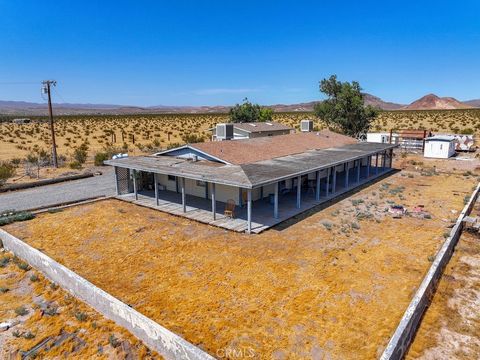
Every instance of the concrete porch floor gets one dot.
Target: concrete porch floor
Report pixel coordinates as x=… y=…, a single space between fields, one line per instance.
x=199 y=209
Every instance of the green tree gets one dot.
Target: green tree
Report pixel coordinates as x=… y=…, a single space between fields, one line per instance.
x=344 y=109
x=248 y=112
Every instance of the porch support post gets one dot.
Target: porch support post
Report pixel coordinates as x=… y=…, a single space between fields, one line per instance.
x=214 y=202
x=184 y=198
x=275 y=201
x=384 y=156
x=135 y=184
x=328 y=182
x=299 y=191
x=155 y=181
x=376 y=164
x=116 y=181
x=369 y=162
x=317 y=187
x=347 y=173
x=391 y=158
x=249 y=211
x=334 y=180
x=358 y=169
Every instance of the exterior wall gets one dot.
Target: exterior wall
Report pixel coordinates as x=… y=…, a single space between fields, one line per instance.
x=439 y=149
x=224 y=193
x=382 y=137
x=169 y=185
x=378 y=137
x=192 y=188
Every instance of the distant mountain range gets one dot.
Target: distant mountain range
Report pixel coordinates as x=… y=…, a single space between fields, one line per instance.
x=427 y=102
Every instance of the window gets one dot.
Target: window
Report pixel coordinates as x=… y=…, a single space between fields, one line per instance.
x=171 y=178
x=201 y=183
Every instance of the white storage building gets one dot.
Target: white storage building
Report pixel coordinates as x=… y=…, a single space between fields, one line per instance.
x=439 y=146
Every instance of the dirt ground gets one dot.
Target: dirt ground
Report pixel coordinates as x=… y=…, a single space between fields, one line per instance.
x=49 y=323
x=332 y=283
x=450 y=328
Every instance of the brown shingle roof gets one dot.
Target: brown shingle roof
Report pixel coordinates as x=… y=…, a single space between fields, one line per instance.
x=251 y=150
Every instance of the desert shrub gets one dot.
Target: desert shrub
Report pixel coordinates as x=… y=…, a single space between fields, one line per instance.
x=113 y=341
x=21 y=310
x=4 y=261
x=7 y=170
x=75 y=165
x=13 y=216
x=328 y=225
x=100 y=157
x=34 y=278
x=3 y=289
x=192 y=138
x=80 y=154
x=81 y=316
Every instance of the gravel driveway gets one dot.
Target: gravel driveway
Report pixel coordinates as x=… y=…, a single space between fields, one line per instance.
x=61 y=192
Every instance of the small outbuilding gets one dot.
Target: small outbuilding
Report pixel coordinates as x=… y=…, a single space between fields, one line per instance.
x=439 y=146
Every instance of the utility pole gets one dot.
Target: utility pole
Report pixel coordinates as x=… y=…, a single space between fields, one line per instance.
x=46 y=89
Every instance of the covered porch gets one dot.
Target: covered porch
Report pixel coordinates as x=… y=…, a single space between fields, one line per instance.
x=255 y=216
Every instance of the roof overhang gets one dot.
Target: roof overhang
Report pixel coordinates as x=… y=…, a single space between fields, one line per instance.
x=253 y=175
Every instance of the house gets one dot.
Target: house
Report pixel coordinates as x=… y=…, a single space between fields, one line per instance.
x=236 y=131
x=440 y=146
x=21 y=121
x=266 y=179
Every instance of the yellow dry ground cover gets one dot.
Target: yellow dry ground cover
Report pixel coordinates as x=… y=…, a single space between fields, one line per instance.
x=333 y=283
x=450 y=328
x=63 y=326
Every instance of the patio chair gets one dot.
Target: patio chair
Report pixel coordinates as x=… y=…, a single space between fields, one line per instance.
x=229 y=208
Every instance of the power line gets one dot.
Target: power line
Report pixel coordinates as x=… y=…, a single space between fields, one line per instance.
x=18 y=83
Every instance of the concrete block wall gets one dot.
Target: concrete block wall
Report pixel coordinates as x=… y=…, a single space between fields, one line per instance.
x=155 y=336
x=405 y=332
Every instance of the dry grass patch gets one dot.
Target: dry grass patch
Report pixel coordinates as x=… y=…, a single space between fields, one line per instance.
x=306 y=291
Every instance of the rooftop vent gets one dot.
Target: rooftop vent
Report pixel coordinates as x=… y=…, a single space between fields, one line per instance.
x=224 y=131
x=306 y=125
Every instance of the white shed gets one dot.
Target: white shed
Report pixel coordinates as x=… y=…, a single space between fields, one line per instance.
x=382 y=137
x=439 y=146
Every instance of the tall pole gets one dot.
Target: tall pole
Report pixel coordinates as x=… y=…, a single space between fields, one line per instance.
x=46 y=86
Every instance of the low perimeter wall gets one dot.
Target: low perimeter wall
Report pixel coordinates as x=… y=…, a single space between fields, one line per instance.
x=155 y=336
x=405 y=332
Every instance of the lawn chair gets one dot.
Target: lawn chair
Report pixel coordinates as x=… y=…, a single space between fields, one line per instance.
x=229 y=208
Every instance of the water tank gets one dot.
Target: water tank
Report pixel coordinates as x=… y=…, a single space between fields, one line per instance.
x=224 y=131
x=306 y=125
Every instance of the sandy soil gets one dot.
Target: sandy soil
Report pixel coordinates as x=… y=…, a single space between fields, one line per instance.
x=65 y=327
x=330 y=284
x=450 y=328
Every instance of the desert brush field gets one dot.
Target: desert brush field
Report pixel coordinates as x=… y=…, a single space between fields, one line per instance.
x=146 y=133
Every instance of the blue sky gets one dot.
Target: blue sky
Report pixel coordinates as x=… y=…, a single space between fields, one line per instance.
x=218 y=52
